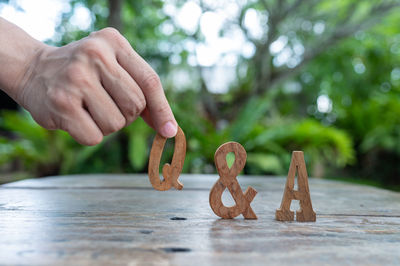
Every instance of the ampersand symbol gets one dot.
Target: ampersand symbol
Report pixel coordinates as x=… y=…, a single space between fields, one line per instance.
x=228 y=180
x=171 y=171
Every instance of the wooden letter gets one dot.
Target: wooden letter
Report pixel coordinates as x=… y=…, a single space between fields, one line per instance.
x=228 y=179
x=171 y=171
x=306 y=212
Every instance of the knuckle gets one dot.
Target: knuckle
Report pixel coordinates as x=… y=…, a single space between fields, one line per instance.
x=74 y=72
x=111 y=36
x=60 y=100
x=134 y=107
x=140 y=104
x=152 y=82
x=114 y=74
x=116 y=125
x=162 y=109
x=92 y=48
x=115 y=37
x=110 y=32
x=78 y=76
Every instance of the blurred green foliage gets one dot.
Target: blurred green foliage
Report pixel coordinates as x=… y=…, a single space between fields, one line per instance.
x=270 y=109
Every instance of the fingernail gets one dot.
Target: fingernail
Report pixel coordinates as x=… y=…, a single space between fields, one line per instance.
x=169 y=130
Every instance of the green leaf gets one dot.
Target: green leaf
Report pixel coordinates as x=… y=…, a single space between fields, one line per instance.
x=137 y=151
x=264 y=163
x=249 y=117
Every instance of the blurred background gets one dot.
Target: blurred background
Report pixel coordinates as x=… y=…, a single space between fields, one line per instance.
x=276 y=76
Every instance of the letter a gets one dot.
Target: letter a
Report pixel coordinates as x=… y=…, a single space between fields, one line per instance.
x=306 y=212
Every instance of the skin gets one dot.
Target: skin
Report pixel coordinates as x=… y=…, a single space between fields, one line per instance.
x=89 y=88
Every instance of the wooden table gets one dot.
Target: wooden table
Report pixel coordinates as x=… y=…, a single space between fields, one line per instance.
x=121 y=220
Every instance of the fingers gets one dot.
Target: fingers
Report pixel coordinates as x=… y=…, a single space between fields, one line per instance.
x=87 y=127
x=63 y=109
x=114 y=85
x=103 y=110
x=82 y=128
x=147 y=118
x=123 y=90
x=160 y=113
x=157 y=105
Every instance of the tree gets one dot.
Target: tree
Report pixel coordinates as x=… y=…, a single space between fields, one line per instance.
x=307 y=29
x=300 y=51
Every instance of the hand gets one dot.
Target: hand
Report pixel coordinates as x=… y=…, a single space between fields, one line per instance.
x=94 y=87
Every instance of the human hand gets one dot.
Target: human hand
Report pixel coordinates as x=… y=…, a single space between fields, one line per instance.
x=94 y=87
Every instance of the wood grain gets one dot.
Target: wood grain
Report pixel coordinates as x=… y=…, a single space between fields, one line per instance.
x=115 y=219
x=228 y=180
x=306 y=212
x=171 y=171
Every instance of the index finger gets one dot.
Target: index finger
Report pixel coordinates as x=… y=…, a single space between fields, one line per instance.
x=160 y=112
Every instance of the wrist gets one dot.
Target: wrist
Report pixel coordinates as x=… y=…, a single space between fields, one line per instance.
x=28 y=71
x=18 y=54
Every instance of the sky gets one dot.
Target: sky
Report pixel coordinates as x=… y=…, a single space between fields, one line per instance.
x=41 y=25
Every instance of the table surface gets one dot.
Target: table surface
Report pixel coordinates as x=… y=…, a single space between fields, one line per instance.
x=122 y=220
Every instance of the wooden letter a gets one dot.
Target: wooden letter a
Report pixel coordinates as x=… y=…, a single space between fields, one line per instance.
x=306 y=212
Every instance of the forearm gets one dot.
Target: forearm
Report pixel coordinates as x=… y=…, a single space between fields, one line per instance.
x=18 y=50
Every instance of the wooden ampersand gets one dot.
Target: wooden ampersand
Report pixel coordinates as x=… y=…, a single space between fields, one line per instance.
x=228 y=180
x=306 y=212
x=171 y=171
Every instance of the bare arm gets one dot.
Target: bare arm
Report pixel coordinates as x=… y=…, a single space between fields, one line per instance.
x=17 y=52
x=89 y=88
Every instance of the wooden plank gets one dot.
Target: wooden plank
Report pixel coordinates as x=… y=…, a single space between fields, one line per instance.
x=114 y=220
x=328 y=196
